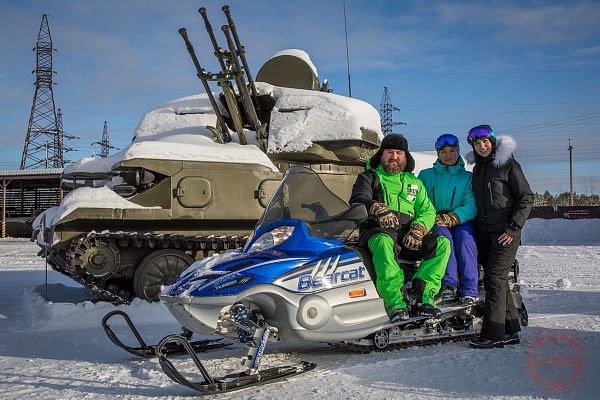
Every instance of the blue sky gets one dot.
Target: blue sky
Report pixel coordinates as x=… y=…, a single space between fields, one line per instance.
x=528 y=68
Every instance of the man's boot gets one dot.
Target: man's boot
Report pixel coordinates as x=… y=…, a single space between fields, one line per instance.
x=418 y=306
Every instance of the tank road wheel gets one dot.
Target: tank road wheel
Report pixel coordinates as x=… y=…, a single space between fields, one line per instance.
x=159 y=268
x=381 y=339
x=101 y=260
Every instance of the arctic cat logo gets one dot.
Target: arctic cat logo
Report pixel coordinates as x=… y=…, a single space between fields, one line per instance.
x=325 y=273
x=328 y=273
x=329 y=280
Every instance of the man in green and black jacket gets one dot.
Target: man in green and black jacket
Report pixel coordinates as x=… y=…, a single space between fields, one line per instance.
x=400 y=217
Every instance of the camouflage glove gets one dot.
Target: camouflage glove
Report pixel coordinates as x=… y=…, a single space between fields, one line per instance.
x=414 y=238
x=439 y=221
x=386 y=217
x=448 y=218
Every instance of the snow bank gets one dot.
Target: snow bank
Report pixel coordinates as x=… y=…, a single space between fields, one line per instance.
x=561 y=232
x=59 y=315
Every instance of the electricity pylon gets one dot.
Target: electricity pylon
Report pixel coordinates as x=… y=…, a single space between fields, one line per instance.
x=386 y=113
x=43 y=143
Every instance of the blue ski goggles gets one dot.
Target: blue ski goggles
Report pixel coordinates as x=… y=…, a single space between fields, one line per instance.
x=446 y=140
x=480 y=132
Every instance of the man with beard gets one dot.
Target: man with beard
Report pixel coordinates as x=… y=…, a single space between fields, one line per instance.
x=400 y=215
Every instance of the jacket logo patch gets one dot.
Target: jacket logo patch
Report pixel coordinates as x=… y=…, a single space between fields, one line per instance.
x=413 y=190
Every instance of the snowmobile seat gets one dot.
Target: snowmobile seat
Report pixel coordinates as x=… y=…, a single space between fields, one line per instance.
x=408 y=266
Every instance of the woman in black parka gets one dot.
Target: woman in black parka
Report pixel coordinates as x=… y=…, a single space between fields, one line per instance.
x=503 y=199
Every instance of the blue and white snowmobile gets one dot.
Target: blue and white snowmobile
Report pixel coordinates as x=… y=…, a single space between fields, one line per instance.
x=299 y=278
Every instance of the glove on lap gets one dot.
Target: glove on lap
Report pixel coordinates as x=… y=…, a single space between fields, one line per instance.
x=414 y=238
x=386 y=217
x=447 y=218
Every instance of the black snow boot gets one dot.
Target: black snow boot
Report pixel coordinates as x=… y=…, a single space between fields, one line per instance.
x=426 y=310
x=417 y=305
x=398 y=314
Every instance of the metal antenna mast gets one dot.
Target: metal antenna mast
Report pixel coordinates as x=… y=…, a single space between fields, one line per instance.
x=570 y=148
x=43 y=144
x=386 y=113
x=347 y=54
x=104 y=143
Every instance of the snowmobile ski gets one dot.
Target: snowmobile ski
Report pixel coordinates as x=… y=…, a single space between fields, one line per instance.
x=249 y=378
x=170 y=348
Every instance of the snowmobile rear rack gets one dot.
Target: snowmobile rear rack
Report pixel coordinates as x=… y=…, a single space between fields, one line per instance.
x=170 y=348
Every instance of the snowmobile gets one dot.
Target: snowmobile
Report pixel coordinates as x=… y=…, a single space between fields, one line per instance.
x=301 y=277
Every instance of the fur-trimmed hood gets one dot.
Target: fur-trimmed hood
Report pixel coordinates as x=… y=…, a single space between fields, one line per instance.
x=505 y=147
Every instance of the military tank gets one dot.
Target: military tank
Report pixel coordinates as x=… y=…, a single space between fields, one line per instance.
x=200 y=170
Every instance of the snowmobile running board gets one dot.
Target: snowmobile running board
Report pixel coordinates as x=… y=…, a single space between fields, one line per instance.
x=456 y=323
x=227 y=383
x=146 y=351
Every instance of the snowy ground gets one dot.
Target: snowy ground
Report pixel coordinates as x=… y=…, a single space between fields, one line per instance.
x=57 y=349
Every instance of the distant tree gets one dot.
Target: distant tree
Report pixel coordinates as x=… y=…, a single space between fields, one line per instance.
x=548 y=199
x=564 y=199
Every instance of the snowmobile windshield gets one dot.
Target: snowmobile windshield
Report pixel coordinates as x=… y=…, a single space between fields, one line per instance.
x=302 y=195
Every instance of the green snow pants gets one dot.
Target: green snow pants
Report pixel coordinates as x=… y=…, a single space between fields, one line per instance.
x=434 y=255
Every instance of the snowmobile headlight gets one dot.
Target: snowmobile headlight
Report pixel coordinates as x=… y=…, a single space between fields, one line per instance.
x=271 y=239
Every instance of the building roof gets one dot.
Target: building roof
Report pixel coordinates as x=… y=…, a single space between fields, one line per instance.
x=31 y=178
x=19 y=173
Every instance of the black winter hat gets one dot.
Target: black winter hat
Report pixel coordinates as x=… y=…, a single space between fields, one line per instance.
x=395 y=141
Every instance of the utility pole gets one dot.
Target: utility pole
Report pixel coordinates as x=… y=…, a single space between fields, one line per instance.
x=43 y=129
x=386 y=113
x=571 y=169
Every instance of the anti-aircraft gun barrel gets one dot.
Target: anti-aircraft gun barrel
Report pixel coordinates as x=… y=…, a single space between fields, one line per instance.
x=240 y=50
x=243 y=89
x=226 y=136
x=224 y=80
x=217 y=49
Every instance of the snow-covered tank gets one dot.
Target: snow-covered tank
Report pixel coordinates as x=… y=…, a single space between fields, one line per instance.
x=180 y=192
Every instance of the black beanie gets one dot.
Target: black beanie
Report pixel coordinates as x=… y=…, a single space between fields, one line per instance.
x=395 y=141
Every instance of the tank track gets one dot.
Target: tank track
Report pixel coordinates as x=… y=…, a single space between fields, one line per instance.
x=111 y=292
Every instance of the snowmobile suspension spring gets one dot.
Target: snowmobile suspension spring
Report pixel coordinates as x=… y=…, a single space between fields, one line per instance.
x=241 y=316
